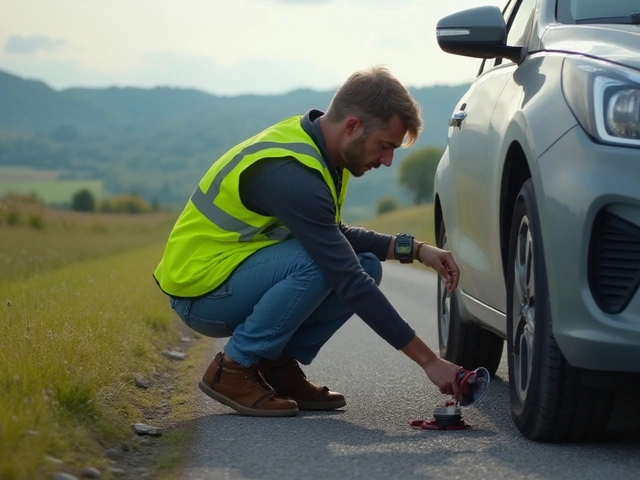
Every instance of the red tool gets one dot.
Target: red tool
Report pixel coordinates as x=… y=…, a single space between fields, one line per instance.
x=473 y=386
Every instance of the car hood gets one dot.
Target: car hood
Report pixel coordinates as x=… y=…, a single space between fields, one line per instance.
x=614 y=43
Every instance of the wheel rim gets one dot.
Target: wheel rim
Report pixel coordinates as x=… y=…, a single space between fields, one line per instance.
x=523 y=310
x=445 y=305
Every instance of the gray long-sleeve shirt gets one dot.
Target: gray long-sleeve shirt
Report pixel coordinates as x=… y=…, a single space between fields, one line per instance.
x=299 y=197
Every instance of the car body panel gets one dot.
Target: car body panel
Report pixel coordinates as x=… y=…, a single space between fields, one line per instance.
x=573 y=177
x=472 y=179
x=480 y=147
x=580 y=178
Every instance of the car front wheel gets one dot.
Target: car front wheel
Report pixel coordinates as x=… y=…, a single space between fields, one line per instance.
x=548 y=401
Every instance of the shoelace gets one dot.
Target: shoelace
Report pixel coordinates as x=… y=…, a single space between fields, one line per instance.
x=291 y=366
x=295 y=366
x=254 y=376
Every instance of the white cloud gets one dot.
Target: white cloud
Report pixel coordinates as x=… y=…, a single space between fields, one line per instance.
x=30 y=45
x=250 y=75
x=394 y=43
x=230 y=46
x=257 y=75
x=301 y=2
x=353 y=3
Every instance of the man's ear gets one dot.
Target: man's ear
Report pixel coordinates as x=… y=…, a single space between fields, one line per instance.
x=352 y=125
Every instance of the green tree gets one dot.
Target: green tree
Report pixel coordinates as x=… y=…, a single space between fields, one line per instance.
x=417 y=172
x=83 y=201
x=125 y=204
x=65 y=134
x=387 y=204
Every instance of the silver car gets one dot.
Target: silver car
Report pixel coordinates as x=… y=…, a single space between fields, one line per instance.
x=538 y=197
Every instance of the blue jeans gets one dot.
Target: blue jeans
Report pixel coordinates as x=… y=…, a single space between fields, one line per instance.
x=276 y=302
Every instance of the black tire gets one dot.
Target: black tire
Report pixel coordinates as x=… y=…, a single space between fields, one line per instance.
x=464 y=344
x=548 y=401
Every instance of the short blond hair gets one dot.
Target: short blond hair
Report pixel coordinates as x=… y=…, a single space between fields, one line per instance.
x=375 y=96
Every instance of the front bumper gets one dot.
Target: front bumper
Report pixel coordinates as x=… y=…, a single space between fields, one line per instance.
x=589 y=201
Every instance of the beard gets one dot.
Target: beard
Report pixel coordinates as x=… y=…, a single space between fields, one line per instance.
x=353 y=156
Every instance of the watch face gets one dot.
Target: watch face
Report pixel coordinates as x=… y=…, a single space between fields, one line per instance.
x=403 y=250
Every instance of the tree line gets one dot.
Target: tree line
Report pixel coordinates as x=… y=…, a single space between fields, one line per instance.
x=416 y=173
x=85 y=201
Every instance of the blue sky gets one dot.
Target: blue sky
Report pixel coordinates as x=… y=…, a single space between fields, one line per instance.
x=228 y=47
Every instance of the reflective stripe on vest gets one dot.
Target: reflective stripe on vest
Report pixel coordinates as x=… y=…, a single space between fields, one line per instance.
x=203 y=201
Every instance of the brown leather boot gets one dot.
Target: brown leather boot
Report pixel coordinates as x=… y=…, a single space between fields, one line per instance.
x=244 y=389
x=288 y=380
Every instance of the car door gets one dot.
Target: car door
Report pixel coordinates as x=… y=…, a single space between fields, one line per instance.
x=476 y=178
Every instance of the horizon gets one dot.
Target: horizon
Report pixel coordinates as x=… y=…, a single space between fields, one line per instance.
x=228 y=48
x=187 y=88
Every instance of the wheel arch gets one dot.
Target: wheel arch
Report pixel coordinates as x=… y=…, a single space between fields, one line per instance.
x=437 y=218
x=515 y=172
x=443 y=194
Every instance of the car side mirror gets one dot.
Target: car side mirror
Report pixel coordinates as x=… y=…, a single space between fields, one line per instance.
x=476 y=32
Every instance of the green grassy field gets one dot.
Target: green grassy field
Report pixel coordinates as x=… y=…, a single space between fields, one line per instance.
x=22 y=174
x=45 y=185
x=34 y=242
x=417 y=221
x=53 y=191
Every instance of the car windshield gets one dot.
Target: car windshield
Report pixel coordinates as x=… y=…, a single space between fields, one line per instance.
x=599 y=11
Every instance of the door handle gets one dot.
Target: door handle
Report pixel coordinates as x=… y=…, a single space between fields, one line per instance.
x=457 y=118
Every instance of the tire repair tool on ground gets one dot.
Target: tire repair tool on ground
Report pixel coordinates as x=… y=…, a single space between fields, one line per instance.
x=473 y=386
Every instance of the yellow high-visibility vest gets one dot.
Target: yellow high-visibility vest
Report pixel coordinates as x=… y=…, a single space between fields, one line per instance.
x=215 y=232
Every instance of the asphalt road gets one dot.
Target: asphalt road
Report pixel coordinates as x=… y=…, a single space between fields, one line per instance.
x=371 y=438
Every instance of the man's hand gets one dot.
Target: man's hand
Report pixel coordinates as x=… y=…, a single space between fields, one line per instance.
x=442 y=262
x=443 y=374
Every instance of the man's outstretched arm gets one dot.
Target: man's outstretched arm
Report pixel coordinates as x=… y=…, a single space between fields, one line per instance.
x=440 y=260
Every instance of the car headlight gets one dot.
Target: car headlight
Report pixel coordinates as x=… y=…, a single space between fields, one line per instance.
x=605 y=99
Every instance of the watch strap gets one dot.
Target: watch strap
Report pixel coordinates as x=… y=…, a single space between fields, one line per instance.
x=420 y=244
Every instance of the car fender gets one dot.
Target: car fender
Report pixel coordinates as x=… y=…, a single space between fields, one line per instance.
x=531 y=111
x=532 y=114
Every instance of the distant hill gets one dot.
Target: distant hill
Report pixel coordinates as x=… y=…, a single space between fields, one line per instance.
x=136 y=106
x=32 y=106
x=159 y=141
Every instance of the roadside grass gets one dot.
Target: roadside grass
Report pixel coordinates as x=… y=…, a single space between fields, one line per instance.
x=417 y=220
x=36 y=239
x=72 y=342
x=80 y=319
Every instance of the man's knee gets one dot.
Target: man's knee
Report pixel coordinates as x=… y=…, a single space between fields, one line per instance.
x=372 y=265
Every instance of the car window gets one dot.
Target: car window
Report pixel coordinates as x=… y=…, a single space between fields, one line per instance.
x=581 y=11
x=506 y=12
x=518 y=25
x=518 y=16
x=518 y=30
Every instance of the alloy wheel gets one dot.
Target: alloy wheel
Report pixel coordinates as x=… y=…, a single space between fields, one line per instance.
x=523 y=310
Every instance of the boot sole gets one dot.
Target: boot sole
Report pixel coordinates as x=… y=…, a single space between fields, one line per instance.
x=253 y=412
x=302 y=405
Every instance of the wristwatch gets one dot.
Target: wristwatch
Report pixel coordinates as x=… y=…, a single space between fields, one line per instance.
x=403 y=248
